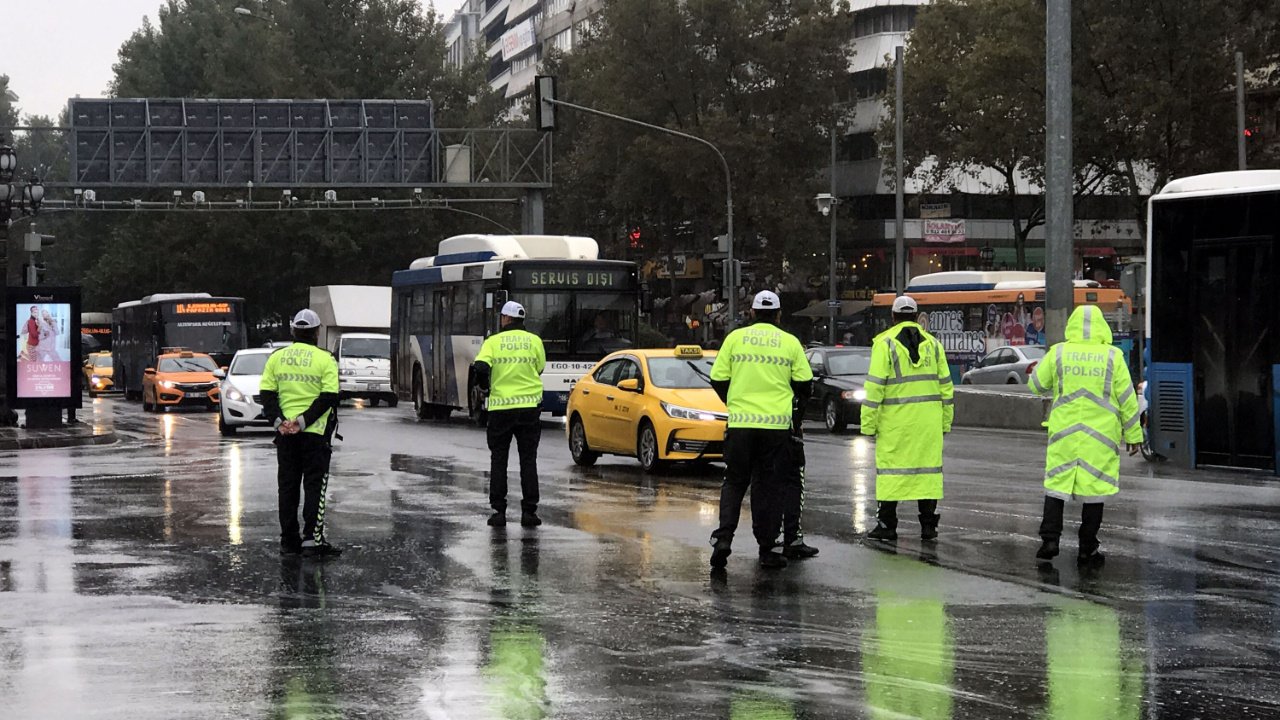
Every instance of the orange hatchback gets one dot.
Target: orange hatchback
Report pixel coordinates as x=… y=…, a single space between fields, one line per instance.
x=180 y=378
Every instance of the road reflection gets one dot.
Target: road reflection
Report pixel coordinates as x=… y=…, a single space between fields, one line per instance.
x=1089 y=675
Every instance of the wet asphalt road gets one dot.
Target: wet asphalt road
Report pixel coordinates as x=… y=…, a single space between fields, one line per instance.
x=141 y=580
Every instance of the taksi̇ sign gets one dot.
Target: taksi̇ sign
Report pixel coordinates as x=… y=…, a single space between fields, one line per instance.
x=944 y=231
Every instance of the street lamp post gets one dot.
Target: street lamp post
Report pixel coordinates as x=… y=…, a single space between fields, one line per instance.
x=19 y=201
x=827 y=203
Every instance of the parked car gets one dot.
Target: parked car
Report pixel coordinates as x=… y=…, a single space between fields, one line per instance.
x=240 y=386
x=839 y=376
x=1010 y=365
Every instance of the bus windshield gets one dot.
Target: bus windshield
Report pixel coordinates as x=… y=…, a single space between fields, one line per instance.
x=579 y=324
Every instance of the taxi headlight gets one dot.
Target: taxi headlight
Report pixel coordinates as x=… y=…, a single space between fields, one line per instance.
x=167 y=384
x=855 y=395
x=684 y=413
x=95 y=379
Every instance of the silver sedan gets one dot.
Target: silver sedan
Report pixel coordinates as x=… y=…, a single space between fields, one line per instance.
x=1008 y=365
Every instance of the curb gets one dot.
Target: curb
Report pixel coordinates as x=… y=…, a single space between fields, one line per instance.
x=38 y=442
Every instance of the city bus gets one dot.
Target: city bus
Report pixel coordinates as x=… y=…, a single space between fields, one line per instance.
x=444 y=306
x=1212 y=287
x=97 y=327
x=199 y=322
x=973 y=313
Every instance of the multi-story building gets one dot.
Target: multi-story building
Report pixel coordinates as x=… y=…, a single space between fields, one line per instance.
x=1105 y=231
x=516 y=35
x=462 y=33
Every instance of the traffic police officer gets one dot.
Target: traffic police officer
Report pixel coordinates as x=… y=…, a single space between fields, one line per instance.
x=300 y=398
x=759 y=372
x=509 y=367
x=909 y=407
x=1094 y=409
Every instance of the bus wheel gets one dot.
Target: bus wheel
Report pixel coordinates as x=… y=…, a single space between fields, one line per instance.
x=420 y=407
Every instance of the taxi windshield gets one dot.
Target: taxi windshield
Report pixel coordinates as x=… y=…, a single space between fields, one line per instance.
x=191 y=364
x=679 y=373
x=102 y=361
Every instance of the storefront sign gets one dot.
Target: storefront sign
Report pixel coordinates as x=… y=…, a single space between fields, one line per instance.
x=935 y=210
x=944 y=231
x=518 y=39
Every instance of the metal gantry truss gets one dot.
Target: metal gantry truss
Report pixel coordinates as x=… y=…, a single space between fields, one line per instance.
x=220 y=158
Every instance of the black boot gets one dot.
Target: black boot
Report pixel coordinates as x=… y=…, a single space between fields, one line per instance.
x=1090 y=523
x=929 y=518
x=720 y=551
x=886 y=528
x=796 y=549
x=1050 y=528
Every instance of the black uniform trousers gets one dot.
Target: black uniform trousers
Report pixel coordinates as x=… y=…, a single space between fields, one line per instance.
x=1090 y=523
x=525 y=426
x=303 y=465
x=794 y=489
x=768 y=455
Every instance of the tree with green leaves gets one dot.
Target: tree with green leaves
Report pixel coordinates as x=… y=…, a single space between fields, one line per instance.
x=1152 y=95
x=756 y=78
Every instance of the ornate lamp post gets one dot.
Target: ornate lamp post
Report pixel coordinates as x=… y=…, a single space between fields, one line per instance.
x=15 y=202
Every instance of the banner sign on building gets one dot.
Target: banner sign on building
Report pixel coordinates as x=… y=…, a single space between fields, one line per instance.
x=43 y=364
x=518 y=39
x=935 y=210
x=944 y=231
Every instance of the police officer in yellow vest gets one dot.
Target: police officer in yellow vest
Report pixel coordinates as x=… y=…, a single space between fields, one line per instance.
x=1094 y=409
x=758 y=373
x=300 y=398
x=509 y=367
x=909 y=407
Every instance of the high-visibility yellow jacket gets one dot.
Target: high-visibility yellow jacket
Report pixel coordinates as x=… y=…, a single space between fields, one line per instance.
x=1094 y=409
x=299 y=374
x=909 y=405
x=516 y=359
x=760 y=362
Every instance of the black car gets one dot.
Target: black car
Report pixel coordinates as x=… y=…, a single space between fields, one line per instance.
x=838 y=377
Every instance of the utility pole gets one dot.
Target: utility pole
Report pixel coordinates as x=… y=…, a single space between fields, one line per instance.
x=1059 y=186
x=899 y=249
x=833 y=304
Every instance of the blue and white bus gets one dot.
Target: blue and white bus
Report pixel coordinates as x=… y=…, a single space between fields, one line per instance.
x=444 y=306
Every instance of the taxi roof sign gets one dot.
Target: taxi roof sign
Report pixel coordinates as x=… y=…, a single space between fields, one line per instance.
x=688 y=351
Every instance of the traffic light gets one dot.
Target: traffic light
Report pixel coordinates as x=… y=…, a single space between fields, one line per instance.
x=730 y=277
x=34 y=274
x=633 y=239
x=544 y=95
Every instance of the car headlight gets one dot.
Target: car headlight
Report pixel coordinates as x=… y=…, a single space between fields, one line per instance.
x=233 y=394
x=855 y=395
x=346 y=371
x=95 y=379
x=166 y=384
x=684 y=413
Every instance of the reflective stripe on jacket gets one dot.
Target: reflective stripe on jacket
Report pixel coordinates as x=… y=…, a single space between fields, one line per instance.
x=516 y=359
x=760 y=362
x=1094 y=410
x=909 y=405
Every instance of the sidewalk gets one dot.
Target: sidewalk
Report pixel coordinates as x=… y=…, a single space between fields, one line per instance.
x=72 y=435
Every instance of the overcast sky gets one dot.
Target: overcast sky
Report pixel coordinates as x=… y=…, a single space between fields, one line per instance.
x=57 y=49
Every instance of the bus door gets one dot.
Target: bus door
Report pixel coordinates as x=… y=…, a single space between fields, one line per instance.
x=441 y=348
x=1232 y=306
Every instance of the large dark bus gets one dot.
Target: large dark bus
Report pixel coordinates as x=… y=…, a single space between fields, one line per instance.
x=199 y=322
x=443 y=307
x=1213 y=289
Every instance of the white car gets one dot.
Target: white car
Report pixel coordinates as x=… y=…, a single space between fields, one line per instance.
x=241 y=404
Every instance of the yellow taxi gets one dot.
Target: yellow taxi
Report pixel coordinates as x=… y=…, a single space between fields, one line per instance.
x=98 y=373
x=180 y=378
x=654 y=405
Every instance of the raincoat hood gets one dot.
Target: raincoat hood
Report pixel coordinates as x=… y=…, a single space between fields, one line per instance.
x=1087 y=325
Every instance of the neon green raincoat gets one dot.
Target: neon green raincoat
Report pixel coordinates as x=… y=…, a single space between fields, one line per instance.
x=909 y=405
x=1094 y=409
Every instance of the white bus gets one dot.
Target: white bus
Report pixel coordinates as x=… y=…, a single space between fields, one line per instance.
x=444 y=306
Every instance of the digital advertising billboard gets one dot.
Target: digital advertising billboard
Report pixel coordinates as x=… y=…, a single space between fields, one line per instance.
x=43 y=361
